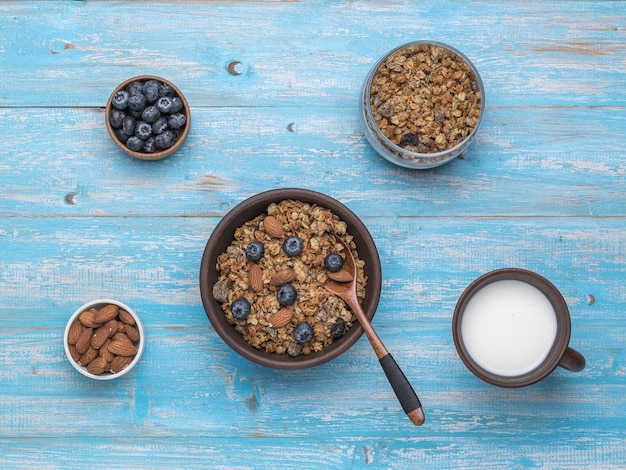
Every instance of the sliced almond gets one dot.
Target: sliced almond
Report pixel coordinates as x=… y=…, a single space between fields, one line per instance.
x=284 y=276
x=255 y=278
x=281 y=318
x=273 y=227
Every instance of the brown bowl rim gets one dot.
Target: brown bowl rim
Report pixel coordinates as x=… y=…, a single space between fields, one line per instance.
x=247 y=210
x=156 y=155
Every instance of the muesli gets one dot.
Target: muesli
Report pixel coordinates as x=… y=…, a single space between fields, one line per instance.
x=272 y=275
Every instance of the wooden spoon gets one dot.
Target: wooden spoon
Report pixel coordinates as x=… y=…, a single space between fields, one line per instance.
x=347 y=291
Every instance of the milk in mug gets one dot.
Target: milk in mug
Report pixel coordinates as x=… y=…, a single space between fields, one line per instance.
x=508 y=327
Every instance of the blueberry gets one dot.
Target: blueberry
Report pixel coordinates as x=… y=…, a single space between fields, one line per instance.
x=409 y=140
x=135 y=114
x=293 y=245
x=303 y=332
x=255 y=250
x=116 y=117
x=134 y=88
x=176 y=121
x=134 y=143
x=159 y=126
x=165 y=104
x=286 y=294
x=338 y=329
x=150 y=145
x=177 y=104
x=143 y=130
x=240 y=308
x=150 y=90
x=150 y=114
x=120 y=100
x=128 y=126
x=333 y=262
x=165 y=90
x=166 y=139
x=137 y=102
x=119 y=133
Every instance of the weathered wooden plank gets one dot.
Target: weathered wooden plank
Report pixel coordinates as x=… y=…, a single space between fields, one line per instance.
x=525 y=162
x=74 y=53
x=372 y=452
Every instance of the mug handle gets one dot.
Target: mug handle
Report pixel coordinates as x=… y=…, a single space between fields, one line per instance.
x=572 y=360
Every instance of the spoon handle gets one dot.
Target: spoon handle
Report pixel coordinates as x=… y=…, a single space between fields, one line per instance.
x=403 y=390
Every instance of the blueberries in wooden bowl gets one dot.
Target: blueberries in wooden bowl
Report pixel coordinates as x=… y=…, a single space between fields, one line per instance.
x=148 y=117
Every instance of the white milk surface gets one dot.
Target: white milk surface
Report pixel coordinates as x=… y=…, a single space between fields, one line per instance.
x=508 y=327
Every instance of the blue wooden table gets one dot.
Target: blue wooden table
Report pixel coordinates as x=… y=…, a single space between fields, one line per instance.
x=273 y=89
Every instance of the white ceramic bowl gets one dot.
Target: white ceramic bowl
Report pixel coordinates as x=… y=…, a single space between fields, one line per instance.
x=105 y=375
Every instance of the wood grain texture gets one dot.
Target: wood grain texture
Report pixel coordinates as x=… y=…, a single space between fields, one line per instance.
x=542 y=188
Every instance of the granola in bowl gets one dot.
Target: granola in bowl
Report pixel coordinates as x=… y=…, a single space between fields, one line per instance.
x=263 y=272
x=260 y=282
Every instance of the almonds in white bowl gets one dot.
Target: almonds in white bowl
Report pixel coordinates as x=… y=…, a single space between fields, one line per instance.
x=104 y=339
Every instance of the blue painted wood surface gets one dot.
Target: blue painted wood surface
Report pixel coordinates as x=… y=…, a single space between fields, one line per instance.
x=543 y=188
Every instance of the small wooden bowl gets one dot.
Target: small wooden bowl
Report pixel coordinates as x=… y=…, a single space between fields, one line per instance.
x=99 y=303
x=144 y=155
x=221 y=238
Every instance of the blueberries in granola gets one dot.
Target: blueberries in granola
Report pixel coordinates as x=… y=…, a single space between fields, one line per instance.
x=240 y=308
x=286 y=294
x=303 y=332
x=293 y=245
x=255 y=251
x=333 y=262
x=409 y=140
x=338 y=329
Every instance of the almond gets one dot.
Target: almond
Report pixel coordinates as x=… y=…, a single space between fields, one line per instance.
x=106 y=313
x=255 y=278
x=284 y=276
x=132 y=333
x=75 y=354
x=121 y=336
x=84 y=340
x=86 y=318
x=119 y=363
x=126 y=317
x=89 y=356
x=74 y=332
x=122 y=348
x=273 y=227
x=340 y=276
x=103 y=333
x=281 y=318
x=104 y=351
x=96 y=367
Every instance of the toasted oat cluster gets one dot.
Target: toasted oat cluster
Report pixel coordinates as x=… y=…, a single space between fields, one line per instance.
x=272 y=275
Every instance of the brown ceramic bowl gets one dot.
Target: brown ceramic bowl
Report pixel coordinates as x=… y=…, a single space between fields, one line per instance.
x=221 y=238
x=181 y=133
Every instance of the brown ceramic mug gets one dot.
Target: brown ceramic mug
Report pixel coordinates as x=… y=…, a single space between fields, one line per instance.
x=511 y=328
